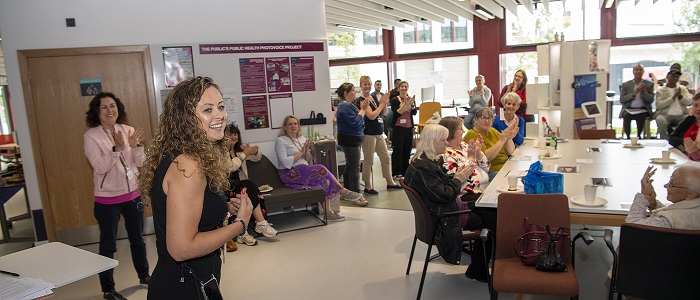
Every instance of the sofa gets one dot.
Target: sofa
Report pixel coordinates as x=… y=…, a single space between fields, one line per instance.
x=265 y=172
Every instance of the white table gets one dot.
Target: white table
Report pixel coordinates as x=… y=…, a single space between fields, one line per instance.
x=623 y=166
x=56 y=263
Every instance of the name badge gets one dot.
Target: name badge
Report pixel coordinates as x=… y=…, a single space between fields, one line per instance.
x=402 y=121
x=380 y=120
x=129 y=173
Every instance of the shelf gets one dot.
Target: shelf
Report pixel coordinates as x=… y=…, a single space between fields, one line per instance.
x=550 y=108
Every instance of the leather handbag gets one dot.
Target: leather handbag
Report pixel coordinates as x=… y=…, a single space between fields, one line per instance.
x=535 y=240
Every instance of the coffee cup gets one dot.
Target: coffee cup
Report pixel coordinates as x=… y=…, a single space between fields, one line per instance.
x=634 y=140
x=589 y=191
x=512 y=182
x=551 y=151
x=666 y=155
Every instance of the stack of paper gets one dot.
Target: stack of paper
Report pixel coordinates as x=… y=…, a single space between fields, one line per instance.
x=24 y=288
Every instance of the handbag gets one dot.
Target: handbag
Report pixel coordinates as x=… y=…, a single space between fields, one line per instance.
x=550 y=260
x=535 y=240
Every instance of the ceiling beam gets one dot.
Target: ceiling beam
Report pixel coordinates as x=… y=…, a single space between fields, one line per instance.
x=351 y=19
x=383 y=17
x=381 y=8
x=451 y=6
x=363 y=17
x=428 y=7
x=528 y=5
x=412 y=10
x=493 y=7
x=546 y=4
x=335 y=21
x=470 y=7
x=509 y=5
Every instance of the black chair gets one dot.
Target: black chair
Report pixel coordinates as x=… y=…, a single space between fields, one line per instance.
x=425 y=226
x=655 y=263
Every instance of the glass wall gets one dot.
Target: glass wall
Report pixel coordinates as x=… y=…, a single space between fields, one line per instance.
x=434 y=37
x=577 y=20
x=657 y=17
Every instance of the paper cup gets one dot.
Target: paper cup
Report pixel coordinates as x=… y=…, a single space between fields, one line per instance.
x=512 y=182
x=666 y=155
x=634 y=140
x=589 y=193
x=551 y=151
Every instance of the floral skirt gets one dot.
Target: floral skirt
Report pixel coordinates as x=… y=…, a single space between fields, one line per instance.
x=306 y=177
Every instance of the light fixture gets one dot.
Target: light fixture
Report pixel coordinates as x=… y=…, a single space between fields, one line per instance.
x=485 y=13
x=350 y=27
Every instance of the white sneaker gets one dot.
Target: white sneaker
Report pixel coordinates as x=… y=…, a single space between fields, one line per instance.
x=352 y=196
x=335 y=217
x=361 y=202
x=246 y=239
x=265 y=229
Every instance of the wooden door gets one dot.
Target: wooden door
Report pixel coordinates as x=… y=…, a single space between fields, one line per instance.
x=56 y=115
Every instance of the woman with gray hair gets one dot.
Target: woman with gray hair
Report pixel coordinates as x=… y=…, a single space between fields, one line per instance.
x=479 y=96
x=511 y=104
x=497 y=145
x=439 y=190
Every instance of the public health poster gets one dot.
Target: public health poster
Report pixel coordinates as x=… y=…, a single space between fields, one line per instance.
x=255 y=112
x=278 y=80
x=252 y=75
x=303 y=75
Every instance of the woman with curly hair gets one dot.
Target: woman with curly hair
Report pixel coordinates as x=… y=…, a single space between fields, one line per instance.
x=185 y=176
x=293 y=156
x=114 y=152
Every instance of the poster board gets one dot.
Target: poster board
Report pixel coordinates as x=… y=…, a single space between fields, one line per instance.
x=291 y=77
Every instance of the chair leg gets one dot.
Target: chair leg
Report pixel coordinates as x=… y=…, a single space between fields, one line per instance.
x=494 y=295
x=425 y=269
x=410 y=258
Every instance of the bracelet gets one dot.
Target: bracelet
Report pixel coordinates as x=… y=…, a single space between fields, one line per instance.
x=242 y=223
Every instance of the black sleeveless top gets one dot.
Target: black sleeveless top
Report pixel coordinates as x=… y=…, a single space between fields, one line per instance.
x=165 y=280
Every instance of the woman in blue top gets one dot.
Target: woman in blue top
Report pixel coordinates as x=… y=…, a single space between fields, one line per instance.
x=350 y=133
x=511 y=103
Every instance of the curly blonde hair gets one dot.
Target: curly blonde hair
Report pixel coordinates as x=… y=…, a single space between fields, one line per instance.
x=179 y=131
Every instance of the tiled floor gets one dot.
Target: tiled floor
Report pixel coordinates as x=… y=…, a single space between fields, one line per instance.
x=364 y=257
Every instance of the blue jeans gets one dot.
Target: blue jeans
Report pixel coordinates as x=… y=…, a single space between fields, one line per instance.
x=351 y=176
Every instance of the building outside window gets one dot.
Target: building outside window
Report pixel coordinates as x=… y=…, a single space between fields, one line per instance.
x=454 y=32
x=657 y=17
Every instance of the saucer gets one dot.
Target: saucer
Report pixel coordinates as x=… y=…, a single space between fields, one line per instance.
x=580 y=200
x=266 y=190
x=518 y=190
x=555 y=156
x=637 y=145
x=659 y=160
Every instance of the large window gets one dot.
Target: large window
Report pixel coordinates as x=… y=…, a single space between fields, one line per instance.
x=512 y=62
x=419 y=38
x=352 y=74
x=357 y=44
x=577 y=20
x=664 y=17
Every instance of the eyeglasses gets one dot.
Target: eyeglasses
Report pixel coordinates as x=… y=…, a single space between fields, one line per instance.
x=671 y=185
x=485 y=118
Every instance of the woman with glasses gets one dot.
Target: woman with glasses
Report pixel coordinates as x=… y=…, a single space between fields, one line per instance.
x=115 y=153
x=511 y=103
x=686 y=133
x=496 y=145
x=517 y=86
x=683 y=191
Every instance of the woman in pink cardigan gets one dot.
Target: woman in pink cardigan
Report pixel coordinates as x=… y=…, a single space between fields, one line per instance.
x=115 y=153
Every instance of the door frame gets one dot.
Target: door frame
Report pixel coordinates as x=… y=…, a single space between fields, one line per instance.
x=23 y=56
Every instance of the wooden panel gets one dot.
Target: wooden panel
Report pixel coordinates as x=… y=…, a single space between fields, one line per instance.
x=58 y=113
x=597 y=219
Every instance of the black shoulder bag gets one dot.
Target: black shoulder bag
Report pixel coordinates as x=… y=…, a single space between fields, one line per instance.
x=550 y=260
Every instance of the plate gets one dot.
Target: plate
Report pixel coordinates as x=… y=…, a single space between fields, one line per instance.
x=269 y=188
x=518 y=190
x=555 y=156
x=637 y=145
x=659 y=160
x=579 y=200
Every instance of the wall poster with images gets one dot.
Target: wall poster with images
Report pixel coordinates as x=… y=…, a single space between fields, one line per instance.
x=178 y=64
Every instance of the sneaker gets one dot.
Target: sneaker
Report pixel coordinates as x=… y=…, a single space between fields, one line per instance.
x=361 y=202
x=398 y=176
x=146 y=279
x=352 y=196
x=113 y=295
x=246 y=239
x=265 y=229
x=231 y=246
x=335 y=217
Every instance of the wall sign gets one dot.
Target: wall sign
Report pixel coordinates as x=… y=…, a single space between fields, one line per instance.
x=90 y=86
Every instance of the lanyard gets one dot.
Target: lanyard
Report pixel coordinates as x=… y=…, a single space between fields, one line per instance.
x=121 y=155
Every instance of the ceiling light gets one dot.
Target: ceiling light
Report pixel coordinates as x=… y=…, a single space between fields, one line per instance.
x=485 y=13
x=350 y=27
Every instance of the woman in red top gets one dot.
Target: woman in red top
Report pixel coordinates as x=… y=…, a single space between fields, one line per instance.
x=518 y=87
x=686 y=133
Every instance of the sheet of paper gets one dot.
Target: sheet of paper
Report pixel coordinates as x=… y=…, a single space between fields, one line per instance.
x=520 y=173
x=655 y=144
x=23 y=288
x=489 y=198
x=584 y=160
x=521 y=158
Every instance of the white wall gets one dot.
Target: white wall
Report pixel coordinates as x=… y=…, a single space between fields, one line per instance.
x=40 y=24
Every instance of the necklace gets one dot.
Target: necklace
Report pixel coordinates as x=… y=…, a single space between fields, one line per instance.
x=296 y=142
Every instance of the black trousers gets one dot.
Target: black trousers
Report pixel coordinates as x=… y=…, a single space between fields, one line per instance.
x=107 y=216
x=627 y=123
x=255 y=199
x=402 y=143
